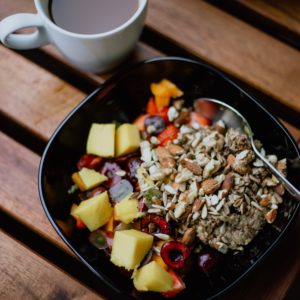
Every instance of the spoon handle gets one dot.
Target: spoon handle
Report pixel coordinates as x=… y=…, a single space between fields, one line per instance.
x=293 y=191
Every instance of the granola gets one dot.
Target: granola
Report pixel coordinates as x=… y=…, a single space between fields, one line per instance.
x=215 y=186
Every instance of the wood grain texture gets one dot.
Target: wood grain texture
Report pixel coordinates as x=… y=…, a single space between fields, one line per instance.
x=26 y=276
x=19 y=193
x=33 y=97
x=284 y=13
x=239 y=49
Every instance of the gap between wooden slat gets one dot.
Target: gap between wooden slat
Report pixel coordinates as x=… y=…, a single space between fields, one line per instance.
x=281 y=19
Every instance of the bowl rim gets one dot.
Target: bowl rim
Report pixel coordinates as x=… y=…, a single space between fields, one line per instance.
x=115 y=79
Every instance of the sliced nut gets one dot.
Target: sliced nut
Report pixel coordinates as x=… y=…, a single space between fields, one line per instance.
x=230 y=160
x=175 y=149
x=227 y=183
x=198 y=205
x=210 y=186
x=192 y=166
x=189 y=236
x=165 y=158
x=271 y=215
x=279 y=189
x=264 y=201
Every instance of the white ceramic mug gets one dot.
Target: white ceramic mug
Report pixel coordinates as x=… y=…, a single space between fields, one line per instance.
x=92 y=52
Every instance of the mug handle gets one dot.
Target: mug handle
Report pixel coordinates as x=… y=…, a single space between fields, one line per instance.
x=23 y=41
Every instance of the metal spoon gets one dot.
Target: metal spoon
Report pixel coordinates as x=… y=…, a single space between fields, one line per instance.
x=233 y=119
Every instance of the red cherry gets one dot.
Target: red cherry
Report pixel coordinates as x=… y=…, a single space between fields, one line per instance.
x=175 y=254
x=208 y=260
x=155 y=224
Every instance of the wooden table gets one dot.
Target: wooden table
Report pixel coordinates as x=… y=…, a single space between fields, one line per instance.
x=255 y=42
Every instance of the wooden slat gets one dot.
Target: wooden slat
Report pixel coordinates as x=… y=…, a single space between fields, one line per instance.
x=18 y=192
x=26 y=276
x=284 y=13
x=32 y=96
x=239 y=49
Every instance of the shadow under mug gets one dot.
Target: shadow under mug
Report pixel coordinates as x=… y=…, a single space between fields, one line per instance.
x=92 y=52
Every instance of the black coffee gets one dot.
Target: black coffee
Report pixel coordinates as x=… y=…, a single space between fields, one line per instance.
x=91 y=16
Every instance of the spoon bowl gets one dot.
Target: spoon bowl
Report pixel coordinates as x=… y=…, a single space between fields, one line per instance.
x=217 y=110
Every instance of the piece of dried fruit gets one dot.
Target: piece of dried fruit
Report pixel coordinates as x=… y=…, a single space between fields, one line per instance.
x=210 y=186
x=264 y=201
x=230 y=160
x=175 y=254
x=271 y=215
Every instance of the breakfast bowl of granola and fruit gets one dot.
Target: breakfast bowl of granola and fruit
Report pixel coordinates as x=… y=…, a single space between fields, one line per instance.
x=158 y=198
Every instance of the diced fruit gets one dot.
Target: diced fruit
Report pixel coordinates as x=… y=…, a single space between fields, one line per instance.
x=133 y=164
x=160 y=261
x=109 y=169
x=175 y=254
x=139 y=122
x=164 y=91
x=101 y=140
x=208 y=260
x=127 y=139
x=169 y=134
x=127 y=210
x=79 y=223
x=89 y=161
x=178 y=285
x=130 y=247
x=109 y=226
x=87 y=179
x=152 y=223
x=94 y=212
x=155 y=123
x=120 y=190
x=152 y=277
x=198 y=119
x=151 y=107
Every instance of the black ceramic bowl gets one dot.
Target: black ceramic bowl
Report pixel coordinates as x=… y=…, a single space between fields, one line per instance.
x=123 y=98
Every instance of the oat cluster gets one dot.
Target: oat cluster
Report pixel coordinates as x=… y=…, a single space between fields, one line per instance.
x=211 y=184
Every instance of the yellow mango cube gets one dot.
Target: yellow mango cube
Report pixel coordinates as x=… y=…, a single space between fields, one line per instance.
x=101 y=140
x=127 y=139
x=152 y=277
x=94 y=212
x=130 y=247
x=87 y=179
x=127 y=210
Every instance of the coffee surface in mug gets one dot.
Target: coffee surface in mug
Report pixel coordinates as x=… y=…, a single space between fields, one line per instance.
x=91 y=16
